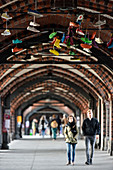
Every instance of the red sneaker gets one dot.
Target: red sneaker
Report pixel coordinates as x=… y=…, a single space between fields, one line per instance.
x=14 y=50
x=78 y=31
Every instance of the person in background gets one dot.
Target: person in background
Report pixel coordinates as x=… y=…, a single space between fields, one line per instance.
x=90 y=128
x=43 y=125
x=33 y=127
x=49 y=125
x=54 y=126
x=71 y=133
x=64 y=121
x=59 y=123
x=36 y=123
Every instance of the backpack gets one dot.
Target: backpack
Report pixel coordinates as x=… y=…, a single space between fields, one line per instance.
x=54 y=124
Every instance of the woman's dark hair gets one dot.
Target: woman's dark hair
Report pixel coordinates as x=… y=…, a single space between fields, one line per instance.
x=74 y=118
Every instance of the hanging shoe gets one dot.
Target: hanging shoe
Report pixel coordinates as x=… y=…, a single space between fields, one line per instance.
x=6 y=32
x=111 y=46
x=32 y=29
x=86 y=40
x=63 y=38
x=93 y=35
x=5 y=16
x=78 y=31
x=16 y=41
x=54 y=52
x=86 y=46
x=34 y=24
x=79 y=18
x=34 y=12
x=72 y=24
x=74 y=59
x=52 y=35
x=14 y=50
x=109 y=43
x=54 y=39
x=71 y=53
x=56 y=44
x=98 y=40
x=87 y=50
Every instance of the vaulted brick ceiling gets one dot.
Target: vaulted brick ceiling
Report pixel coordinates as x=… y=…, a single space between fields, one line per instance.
x=93 y=74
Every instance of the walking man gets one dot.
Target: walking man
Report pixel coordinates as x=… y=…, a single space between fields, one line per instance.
x=90 y=128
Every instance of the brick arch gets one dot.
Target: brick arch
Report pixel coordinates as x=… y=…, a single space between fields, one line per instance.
x=54 y=86
x=72 y=77
x=43 y=107
x=33 y=78
x=76 y=101
x=84 y=71
x=37 y=99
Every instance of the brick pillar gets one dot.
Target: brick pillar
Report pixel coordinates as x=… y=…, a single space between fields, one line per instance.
x=101 y=111
x=0 y=123
x=104 y=127
x=110 y=126
x=12 y=127
x=107 y=137
x=16 y=126
x=112 y=129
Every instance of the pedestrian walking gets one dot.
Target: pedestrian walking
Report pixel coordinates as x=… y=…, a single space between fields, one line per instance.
x=33 y=127
x=54 y=126
x=90 y=128
x=59 y=123
x=71 y=133
x=43 y=125
x=64 y=121
x=49 y=125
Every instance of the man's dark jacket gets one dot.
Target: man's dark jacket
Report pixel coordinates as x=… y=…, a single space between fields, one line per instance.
x=91 y=127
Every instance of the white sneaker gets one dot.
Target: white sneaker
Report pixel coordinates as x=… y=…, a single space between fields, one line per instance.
x=32 y=29
x=87 y=50
x=34 y=24
x=98 y=40
x=6 y=32
x=5 y=16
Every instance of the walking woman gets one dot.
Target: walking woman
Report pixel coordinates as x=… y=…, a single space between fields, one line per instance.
x=43 y=125
x=70 y=133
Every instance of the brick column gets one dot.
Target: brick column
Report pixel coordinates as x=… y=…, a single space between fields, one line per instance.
x=101 y=110
x=107 y=137
x=110 y=125
x=104 y=126
x=0 y=122
x=111 y=128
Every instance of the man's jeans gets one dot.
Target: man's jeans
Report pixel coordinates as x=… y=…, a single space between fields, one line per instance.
x=90 y=140
x=69 y=152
